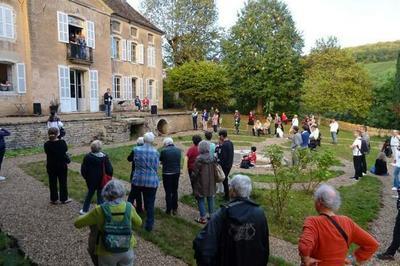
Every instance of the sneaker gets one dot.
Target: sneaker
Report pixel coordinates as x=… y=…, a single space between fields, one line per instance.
x=364 y=174
x=394 y=188
x=201 y=220
x=395 y=196
x=81 y=212
x=384 y=256
x=67 y=201
x=2 y=178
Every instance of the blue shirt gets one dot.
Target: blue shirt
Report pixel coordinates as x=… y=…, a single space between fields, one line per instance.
x=305 y=136
x=212 y=150
x=146 y=165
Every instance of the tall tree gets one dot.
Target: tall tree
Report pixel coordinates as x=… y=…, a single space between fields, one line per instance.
x=190 y=28
x=262 y=54
x=334 y=83
x=397 y=92
x=203 y=84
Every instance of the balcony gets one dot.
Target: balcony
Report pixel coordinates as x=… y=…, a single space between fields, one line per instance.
x=79 y=54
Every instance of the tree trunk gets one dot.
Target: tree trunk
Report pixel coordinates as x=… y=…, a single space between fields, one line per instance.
x=260 y=105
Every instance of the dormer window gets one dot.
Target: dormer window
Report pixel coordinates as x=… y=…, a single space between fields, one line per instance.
x=134 y=32
x=150 y=38
x=115 y=26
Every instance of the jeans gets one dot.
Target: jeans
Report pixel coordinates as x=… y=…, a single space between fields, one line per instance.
x=225 y=182
x=334 y=137
x=120 y=259
x=357 y=161
x=194 y=122
x=89 y=196
x=149 y=197
x=2 y=152
x=396 y=177
x=202 y=206
x=135 y=197
x=108 y=110
x=58 y=175
x=171 y=183
x=364 y=163
x=395 y=245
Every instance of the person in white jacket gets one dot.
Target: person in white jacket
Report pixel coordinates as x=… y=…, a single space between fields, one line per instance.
x=333 y=128
x=54 y=121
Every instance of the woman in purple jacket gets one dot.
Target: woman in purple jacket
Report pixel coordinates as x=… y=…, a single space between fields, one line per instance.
x=3 y=133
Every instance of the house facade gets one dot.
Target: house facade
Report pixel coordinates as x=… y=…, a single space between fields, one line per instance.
x=70 y=51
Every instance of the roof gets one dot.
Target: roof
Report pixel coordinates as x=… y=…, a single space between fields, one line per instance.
x=125 y=10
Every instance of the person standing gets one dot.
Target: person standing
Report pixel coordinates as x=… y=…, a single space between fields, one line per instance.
x=54 y=121
x=147 y=160
x=367 y=146
x=192 y=154
x=146 y=104
x=305 y=135
x=95 y=164
x=334 y=128
x=394 y=141
x=395 y=244
x=295 y=123
x=225 y=158
x=56 y=165
x=3 y=133
x=204 y=181
x=284 y=119
x=108 y=102
x=170 y=158
x=236 y=118
x=297 y=142
x=326 y=238
x=135 y=196
x=277 y=122
x=195 y=115
x=138 y=103
x=396 y=171
x=237 y=234
x=357 y=155
x=251 y=121
x=204 y=119
x=215 y=121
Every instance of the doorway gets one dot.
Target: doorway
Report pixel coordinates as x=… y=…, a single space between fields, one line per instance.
x=76 y=87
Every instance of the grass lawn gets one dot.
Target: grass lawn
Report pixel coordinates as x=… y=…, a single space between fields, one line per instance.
x=10 y=254
x=23 y=152
x=301 y=205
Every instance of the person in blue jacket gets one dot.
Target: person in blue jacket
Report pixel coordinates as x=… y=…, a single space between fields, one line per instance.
x=3 y=133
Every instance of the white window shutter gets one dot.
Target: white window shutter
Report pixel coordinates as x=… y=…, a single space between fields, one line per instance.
x=91 y=36
x=141 y=54
x=129 y=51
x=2 y=22
x=123 y=57
x=154 y=56
x=141 y=89
x=130 y=88
x=64 y=86
x=94 y=90
x=8 y=20
x=149 y=61
x=21 y=75
x=113 y=87
x=62 y=20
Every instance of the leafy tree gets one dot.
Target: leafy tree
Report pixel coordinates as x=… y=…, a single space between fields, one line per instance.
x=375 y=52
x=203 y=84
x=335 y=83
x=262 y=54
x=189 y=25
x=397 y=92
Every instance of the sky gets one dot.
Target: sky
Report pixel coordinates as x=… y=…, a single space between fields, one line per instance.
x=353 y=22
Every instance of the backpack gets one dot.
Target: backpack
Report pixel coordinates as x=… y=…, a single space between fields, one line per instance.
x=117 y=236
x=364 y=147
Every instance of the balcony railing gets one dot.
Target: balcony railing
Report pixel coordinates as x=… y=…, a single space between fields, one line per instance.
x=79 y=54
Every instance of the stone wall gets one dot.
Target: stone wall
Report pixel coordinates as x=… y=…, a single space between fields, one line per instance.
x=372 y=131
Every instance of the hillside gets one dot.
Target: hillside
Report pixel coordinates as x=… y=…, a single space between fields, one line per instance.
x=375 y=52
x=380 y=70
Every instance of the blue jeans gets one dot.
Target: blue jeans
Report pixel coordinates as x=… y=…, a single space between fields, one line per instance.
x=334 y=137
x=202 y=206
x=108 y=110
x=149 y=198
x=396 y=177
x=89 y=196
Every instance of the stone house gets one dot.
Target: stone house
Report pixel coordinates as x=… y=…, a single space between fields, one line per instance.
x=70 y=51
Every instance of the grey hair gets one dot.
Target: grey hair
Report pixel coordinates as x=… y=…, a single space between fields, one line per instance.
x=204 y=147
x=168 y=141
x=140 y=141
x=242 y=186
x=95 y=146
x=148 y=137
x=382 y=156
x=328 y=196
x=113 y=190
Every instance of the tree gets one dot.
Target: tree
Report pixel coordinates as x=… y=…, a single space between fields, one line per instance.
x=203 y=84
x=397 y=92
x=189 y=25
x=262 y=54
x=335 y=83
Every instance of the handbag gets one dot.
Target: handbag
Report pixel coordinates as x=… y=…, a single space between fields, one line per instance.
x=219 y=173
x=105 y=178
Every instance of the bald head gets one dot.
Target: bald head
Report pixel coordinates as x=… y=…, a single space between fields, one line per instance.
x=328 y=197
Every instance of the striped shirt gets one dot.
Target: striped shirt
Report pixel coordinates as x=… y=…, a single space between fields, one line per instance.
x=147 y=160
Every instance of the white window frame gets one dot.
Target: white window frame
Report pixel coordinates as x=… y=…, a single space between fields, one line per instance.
x=114 y=89
x=7 y=27
x=124 y=50
x=91 y=34
x=150 y=89
x=140 y=54
x=62 y=23
x=94 y=90
x=115 y=49
x=21 y=78
x=141 y=88
x=151 y=56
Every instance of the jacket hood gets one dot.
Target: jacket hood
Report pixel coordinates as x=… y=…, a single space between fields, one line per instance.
x=97 y=154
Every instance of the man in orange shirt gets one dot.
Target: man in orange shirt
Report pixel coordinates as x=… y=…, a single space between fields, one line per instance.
x=326 y=238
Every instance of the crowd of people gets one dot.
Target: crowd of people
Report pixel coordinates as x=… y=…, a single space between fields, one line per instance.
x=141 y=105
x=235 y=234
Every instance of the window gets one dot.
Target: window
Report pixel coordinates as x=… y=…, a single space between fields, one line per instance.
x=134 y=93
x=115 y=46
x=115 y=26
x=150 y=38
x=117 y=87
x=6 y=22
x=6 y=77
x=151 y=56
x=134 y=32
x=133 y=52
x=150 y=87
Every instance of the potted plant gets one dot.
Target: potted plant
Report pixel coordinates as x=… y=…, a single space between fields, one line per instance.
x=54 y=105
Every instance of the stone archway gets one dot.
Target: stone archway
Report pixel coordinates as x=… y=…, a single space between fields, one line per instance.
x=162 y=127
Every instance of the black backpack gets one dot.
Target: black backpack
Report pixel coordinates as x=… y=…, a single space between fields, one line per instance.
x=364 y=147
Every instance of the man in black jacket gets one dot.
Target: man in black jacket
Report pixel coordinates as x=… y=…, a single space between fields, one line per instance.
x=225 y=152
x=236 y=235
x=108 y=101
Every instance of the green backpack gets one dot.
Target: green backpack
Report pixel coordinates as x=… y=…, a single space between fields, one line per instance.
x=117 y=235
